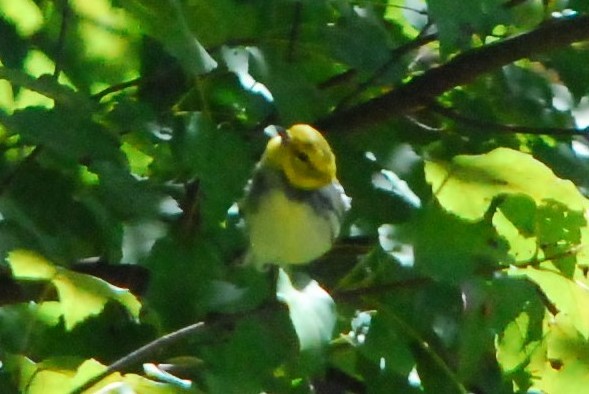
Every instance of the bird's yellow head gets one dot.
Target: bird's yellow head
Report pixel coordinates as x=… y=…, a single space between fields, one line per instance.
x=303 y=155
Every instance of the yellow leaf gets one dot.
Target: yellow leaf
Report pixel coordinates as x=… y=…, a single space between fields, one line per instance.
x=82 y=296
x=467 y=185
x=30 y=266
x=569 y=296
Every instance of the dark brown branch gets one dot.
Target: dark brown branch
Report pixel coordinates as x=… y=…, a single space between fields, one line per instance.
x=461 y=70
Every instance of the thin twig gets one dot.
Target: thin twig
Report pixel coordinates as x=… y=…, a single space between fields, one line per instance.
x=394 y=57
x=115 y=88
x=141 y=354
x=65 y=15
x=425 y=347
x=385 y=288
x=504 y=128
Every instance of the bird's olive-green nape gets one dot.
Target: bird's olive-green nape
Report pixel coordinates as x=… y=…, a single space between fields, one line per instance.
x=304 y=156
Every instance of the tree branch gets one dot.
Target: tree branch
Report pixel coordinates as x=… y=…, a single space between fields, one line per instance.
x=141 y=354
x=461 y=70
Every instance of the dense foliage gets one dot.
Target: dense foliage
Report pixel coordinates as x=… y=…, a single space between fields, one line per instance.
x=128 y=128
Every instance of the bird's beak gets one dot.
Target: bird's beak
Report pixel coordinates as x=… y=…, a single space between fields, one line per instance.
x=282 y=132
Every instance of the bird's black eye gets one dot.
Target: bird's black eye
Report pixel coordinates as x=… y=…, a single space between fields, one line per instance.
x=302 y=156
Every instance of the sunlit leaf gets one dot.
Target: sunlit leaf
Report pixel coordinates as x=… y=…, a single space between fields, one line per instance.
x=467 y=185
x=31 y=266
x=80 y=295
x=311 y=308
x=570 y=297
x=514 y=348
x=566 y=365
x=84 y=295
x=56 y=376
x=46 y=86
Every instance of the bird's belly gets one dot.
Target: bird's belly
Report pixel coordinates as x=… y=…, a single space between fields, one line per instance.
x=287 y=231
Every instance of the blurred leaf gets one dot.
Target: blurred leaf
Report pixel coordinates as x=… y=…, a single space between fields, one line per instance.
x=566 y=63
x=387 y=346
x=47 y=86
x=579 y=5
x=218 y=158
x=475 y=17
x=13 y=48
x=166 y=22
x=30 y=266
x=125 y=195
x=69 y=133
x=264 y=344
x=311 y=308
x=185 y=290
x=360 y=40
x=451 y=249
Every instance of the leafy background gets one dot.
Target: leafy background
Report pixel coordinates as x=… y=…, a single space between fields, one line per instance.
x=128 y=128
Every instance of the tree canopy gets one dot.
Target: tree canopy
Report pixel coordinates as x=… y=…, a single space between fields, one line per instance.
x=129 y=128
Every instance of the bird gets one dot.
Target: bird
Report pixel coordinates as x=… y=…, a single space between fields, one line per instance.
x=294 y=205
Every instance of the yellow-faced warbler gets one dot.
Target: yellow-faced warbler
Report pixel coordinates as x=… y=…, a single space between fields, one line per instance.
x=294 y=204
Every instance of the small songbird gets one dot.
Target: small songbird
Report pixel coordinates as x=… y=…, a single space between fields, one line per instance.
x=294 y=204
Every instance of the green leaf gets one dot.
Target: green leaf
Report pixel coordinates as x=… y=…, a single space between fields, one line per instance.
x=263 y=343
x=550 y=231
x=454 y=249
x=514 y=347
x=13 y=49
x=80 y=295
x=125 y=195
x=47 y=86
x=311 y=309
x=59 y=375
x=467 y=185
x=218 y=158
x=570 y=297
x=387 y=346
x=28 y=265
x=475 y=17
x=575 y=78
x=187 y=290
x=166 y=22
x=566 y=364
x=69 y=133
x=359 y=40
x=56 y=217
